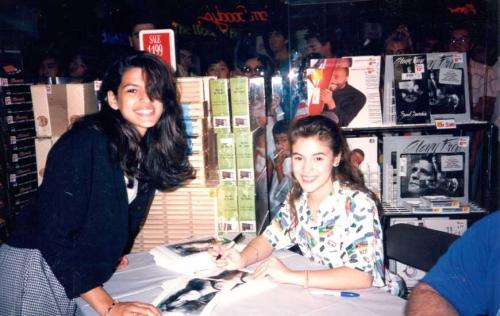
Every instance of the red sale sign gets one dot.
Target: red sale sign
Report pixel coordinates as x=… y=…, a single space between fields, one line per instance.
x=160 y=43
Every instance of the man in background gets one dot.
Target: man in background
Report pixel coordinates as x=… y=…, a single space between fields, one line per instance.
x=140 y=23
x=319 y=43
x=483 y=87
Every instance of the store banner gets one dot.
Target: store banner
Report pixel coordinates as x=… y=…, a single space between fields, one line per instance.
x=159 y=42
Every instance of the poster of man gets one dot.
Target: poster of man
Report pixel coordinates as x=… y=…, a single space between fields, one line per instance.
x=432 y=174
x=345 y=89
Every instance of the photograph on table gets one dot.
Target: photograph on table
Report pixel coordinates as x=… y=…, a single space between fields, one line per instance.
x=197 y=296
x=425 y=165
x=345 y=89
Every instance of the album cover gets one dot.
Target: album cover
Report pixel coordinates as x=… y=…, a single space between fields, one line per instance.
x=410 y=89
x=364 y=154
x=448 y=86
x=345 y=89
x=433 y=165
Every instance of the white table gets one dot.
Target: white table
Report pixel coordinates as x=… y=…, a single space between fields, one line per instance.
x=142 y=280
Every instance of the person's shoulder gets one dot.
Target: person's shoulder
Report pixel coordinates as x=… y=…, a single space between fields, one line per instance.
x=354 y=194
x=81 y=135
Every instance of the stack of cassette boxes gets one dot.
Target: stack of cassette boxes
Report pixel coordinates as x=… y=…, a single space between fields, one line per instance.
x=190 y=211
x=17 y=141
x=239 y=118
x=55 y=108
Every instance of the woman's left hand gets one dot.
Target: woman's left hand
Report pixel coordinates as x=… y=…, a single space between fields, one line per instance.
x=122 y=263
x=274 y=268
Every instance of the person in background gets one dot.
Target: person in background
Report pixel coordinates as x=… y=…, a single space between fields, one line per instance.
x=256 y=65
x=99 y=181
x=483 y=79
x=49 y=67
x=483 y=90
x=278 y=45
x=82 y=67
x=320 y=43
x=141 y=22
x=357 y=157
x=277 y=39
x=399 y=42
x=466 y=279
x=217 y=64
x=329 y=213
x=185 y=65
x=281 y=181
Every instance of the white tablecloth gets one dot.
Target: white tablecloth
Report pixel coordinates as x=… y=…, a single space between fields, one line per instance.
x=142 y=280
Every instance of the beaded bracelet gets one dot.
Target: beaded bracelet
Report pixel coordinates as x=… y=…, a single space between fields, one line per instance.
x=110 y=307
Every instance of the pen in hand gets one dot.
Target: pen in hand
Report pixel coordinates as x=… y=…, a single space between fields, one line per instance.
x=239 y=238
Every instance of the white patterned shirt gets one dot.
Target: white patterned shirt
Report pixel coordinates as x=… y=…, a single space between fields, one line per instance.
x=346 y=232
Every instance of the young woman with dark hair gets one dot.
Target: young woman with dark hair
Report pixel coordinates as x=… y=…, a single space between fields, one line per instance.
x=329 y=214
x=100 y=179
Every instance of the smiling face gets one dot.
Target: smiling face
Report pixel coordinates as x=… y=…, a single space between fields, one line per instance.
x=339 y=78
x=312 y=165
x=134 y=103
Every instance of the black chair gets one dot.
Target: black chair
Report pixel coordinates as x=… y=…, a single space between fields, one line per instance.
x=417 y=246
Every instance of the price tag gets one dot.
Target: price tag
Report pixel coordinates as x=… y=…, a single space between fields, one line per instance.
x=160 y=43
x=445 y=124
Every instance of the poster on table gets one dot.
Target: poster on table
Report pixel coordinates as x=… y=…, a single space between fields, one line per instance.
x=346 y=90
x=434 y=165
x=160 y=43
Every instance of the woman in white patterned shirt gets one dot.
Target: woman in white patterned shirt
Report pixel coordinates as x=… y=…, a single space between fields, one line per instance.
x=329 y=214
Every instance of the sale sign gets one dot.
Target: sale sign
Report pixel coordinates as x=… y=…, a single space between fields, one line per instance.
x=160 y=43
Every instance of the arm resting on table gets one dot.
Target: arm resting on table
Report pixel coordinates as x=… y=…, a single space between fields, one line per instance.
x=98 y=299
x=424 y=300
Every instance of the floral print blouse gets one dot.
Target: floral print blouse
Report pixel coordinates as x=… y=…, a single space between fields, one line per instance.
x=346 y=232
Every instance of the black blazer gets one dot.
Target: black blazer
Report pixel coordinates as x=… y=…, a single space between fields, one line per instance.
x=79 y=218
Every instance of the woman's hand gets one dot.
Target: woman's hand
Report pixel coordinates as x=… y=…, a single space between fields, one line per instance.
x=122 y=263
x=274 y=268
x=134 y=309
x=228 y=259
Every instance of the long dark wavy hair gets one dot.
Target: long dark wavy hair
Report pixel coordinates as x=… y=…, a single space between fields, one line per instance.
x=158 y=159
x=346 y=173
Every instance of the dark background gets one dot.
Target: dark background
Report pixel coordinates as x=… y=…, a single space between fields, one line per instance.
x=102 y=26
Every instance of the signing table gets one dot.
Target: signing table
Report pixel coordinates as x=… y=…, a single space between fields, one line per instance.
x=142 y=280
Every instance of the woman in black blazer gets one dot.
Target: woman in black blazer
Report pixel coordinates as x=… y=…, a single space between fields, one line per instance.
x=99 y=181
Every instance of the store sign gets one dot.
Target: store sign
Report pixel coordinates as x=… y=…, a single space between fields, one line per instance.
x=467 y=9
x=224 y=19
x=160 y=43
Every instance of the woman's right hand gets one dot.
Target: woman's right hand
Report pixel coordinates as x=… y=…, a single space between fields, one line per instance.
x=134 y=309
x=228 y=259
